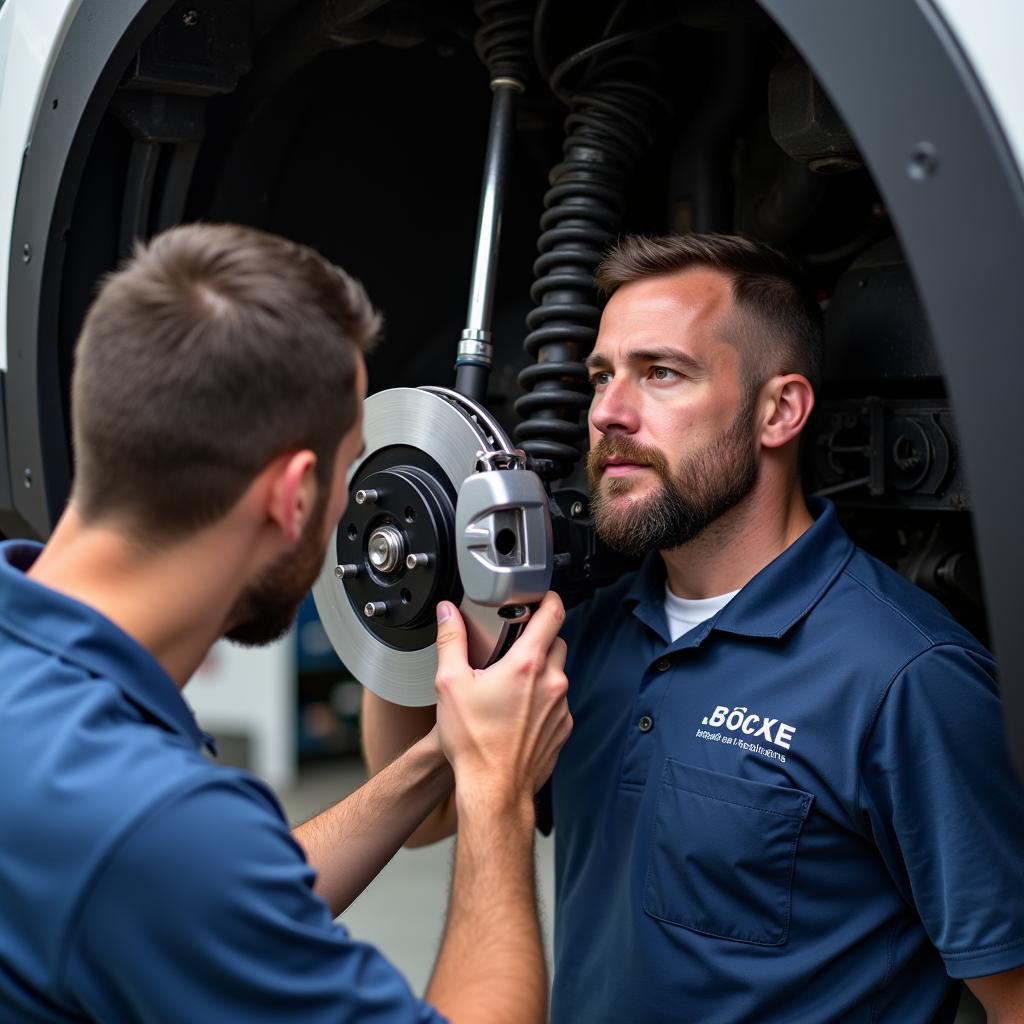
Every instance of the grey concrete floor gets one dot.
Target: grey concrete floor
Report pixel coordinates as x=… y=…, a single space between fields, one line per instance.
x=402 y=910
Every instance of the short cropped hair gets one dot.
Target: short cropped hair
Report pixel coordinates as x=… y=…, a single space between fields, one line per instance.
x=779 y=329
x=211 y=352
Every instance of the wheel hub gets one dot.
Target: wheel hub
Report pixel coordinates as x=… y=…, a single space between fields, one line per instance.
x=393 y=556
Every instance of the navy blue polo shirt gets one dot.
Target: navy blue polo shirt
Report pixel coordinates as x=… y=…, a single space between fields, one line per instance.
x=801 y=810
x=139 y=881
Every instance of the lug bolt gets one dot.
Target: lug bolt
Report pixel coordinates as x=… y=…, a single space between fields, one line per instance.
x=346 y=572
x=367 y=497
x=374 y=609
x=417 y=560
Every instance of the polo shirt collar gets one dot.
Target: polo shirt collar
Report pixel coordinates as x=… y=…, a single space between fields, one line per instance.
x=771 y=603
x=75 y=632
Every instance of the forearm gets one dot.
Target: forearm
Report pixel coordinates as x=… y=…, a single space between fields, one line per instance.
x=349 y=843
x=387 y=730
x=491 y=967
x=1002 y=996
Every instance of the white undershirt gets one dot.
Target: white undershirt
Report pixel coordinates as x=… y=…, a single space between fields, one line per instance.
x=683 y=614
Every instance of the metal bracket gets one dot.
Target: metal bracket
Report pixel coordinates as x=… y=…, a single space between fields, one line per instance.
x=486 y=461
x=503 y=536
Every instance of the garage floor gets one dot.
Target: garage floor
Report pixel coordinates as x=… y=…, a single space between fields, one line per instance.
x=402 y=911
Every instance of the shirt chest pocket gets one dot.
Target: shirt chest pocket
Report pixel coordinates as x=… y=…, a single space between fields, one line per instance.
x=722 y=854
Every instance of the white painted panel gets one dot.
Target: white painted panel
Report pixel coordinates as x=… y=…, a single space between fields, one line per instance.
x=31 y=33
x=252 y=691
x=991 y=35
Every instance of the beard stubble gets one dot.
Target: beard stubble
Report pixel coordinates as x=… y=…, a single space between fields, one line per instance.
x=266 y=609
x=699 y=490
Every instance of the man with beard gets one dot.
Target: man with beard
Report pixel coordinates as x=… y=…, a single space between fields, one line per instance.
x=217 y=406
x=787 y=796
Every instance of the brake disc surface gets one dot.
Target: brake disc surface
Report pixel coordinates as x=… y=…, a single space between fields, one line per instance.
x=421 y=444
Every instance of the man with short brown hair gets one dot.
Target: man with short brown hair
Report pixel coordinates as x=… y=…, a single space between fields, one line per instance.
x=787 y=796
x=217 y=407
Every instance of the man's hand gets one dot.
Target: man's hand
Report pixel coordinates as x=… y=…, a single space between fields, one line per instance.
x=502 y=727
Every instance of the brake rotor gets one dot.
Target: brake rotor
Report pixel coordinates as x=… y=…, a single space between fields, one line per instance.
x=393 y=557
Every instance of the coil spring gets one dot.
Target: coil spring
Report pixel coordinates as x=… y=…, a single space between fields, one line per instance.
x=503 y=40
x=609 y=130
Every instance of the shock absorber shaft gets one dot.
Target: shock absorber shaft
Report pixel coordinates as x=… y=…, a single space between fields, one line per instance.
x=473 y=364
x=503 y=45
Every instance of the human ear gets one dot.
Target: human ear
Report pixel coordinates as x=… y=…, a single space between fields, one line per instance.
x=293 y=492
x=790 y=399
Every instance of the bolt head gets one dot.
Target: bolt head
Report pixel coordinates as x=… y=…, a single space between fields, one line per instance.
x=190 y=18
x=514 y=612
x=924 y=161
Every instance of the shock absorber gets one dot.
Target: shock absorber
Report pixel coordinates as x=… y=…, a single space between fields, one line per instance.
x=503 y=44
x=609 y=130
